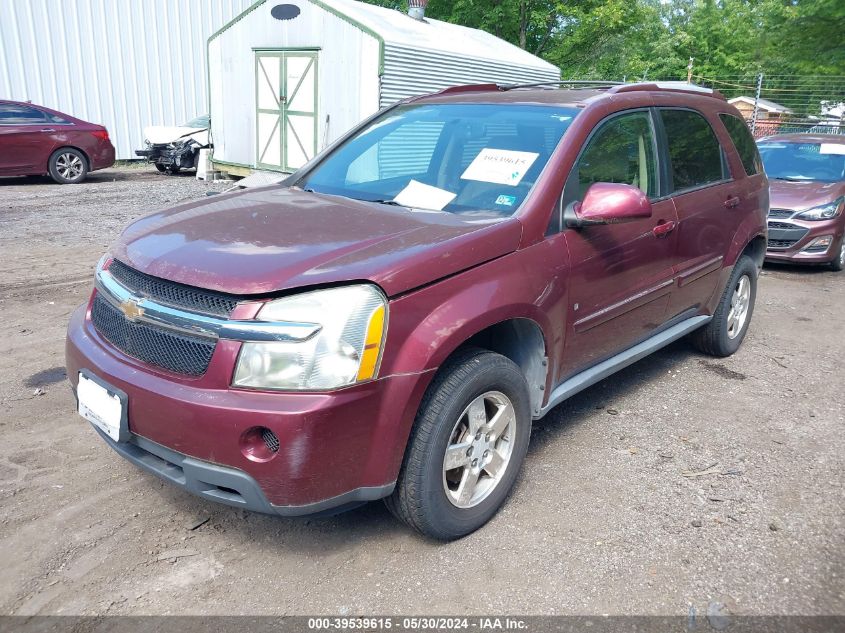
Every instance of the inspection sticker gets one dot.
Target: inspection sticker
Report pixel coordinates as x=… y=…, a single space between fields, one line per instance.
x=506 y=201
x=500 y=166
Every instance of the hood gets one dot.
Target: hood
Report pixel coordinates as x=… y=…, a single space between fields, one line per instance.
x=273 y=238
x=800 y=196
x=163 y=134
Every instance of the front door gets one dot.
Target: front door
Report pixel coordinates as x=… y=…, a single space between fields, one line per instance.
x=286 y=109
x=622 y=274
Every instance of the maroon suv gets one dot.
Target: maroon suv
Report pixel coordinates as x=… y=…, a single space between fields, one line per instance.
x=35 y=140
x=389 y=321
x=806 y=221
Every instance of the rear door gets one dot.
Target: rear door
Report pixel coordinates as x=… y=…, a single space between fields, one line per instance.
x=25 y=139
x=286 y=108
x=621 y=274
x=706 y=200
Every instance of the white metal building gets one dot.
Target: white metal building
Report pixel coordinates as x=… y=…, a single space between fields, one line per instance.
x=287 y=77
x=124 y=64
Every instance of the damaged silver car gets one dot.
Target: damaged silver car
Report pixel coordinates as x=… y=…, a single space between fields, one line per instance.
x=172 y=148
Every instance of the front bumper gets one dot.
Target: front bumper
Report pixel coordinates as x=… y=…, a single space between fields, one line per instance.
x=181 y=155
x=789 y=239
x=336 y=448
x=226 y=485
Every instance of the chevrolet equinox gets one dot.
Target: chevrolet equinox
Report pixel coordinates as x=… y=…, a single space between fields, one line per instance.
x=388 y=321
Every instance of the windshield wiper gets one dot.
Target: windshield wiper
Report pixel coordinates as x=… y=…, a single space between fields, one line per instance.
x=392 y=203
x=792 y=178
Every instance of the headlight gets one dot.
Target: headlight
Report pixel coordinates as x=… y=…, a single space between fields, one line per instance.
x=347 y=349
x=823 y=212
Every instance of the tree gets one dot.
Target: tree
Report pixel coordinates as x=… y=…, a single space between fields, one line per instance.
x=612 y=39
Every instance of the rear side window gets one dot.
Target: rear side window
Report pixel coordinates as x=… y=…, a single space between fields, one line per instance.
x=694 y=151
x=744 y=143
x=19 y=114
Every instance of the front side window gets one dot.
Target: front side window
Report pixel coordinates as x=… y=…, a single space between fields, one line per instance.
x=694 y=150
x=744 y=143
x=823 y=162
x=459 y=158
x=621 y=151
x=19 y=114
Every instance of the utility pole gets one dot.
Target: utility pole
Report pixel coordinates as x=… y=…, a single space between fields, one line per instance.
x=689 y=70
x=756 y=102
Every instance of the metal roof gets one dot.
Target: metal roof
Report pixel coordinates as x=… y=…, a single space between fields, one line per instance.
x=395 y=27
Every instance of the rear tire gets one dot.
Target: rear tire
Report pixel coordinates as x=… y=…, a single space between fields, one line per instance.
x=466 y=448
x=160 y=167
x=725 y=332
x=68 y=166
x=839 y=262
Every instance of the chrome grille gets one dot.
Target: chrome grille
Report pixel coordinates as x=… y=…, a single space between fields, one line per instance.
x=178 y=353
x=172 y=293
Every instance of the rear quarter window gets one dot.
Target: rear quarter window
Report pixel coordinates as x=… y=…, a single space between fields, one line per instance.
x=694 y=151
x=744 y=143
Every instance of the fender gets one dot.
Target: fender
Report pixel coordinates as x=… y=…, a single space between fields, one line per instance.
x=432 y=322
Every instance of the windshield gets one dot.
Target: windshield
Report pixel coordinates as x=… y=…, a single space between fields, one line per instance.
x=458 y=158
x=804 y=161
x=198 y=122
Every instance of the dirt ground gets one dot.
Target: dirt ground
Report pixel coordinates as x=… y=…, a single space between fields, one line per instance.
x=681 y=482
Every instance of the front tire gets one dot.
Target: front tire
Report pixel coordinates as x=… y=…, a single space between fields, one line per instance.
x=725 y=332
x=466 y=448
x=160 y=167
x=68 y=166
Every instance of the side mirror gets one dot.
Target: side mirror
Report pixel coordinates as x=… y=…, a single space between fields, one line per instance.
x=608 y=203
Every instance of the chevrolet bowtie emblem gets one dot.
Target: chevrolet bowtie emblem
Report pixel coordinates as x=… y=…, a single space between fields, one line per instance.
x=131 y=310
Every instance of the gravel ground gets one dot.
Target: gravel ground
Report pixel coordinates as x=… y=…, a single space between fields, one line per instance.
x=679 y=482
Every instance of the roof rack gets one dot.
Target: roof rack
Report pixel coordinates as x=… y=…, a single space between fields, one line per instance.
x=578 y=83
x=613 y=87
x=673 y=86
x=467 y=88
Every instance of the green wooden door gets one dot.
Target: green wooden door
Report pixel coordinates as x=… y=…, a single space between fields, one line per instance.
x=286 y=108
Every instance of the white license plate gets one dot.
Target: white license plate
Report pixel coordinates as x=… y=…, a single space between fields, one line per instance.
x=100 y=407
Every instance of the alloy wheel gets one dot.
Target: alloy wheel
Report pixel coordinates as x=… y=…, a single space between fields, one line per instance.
x=69 y=166
x=479 y=449
x=740 y=302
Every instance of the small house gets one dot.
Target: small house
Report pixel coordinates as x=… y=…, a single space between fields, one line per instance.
x=288 y=78
x=765 y=109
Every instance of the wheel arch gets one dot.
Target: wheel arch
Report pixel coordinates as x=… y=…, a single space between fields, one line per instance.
x=73 y=147
x=521 y=340
x=756 y=250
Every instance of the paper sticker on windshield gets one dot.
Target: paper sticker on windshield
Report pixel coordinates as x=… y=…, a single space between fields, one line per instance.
x=832 y=148
x=500 y=166
x=422 y=196
x=506 y=201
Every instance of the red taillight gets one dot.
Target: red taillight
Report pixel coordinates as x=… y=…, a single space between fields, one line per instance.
x=103 y=134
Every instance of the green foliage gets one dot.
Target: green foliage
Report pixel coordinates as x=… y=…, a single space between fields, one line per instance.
x=612 y=39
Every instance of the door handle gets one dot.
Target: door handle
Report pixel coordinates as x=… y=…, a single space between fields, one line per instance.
x=663 y=229
x=732 y=202
x=48 y=129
